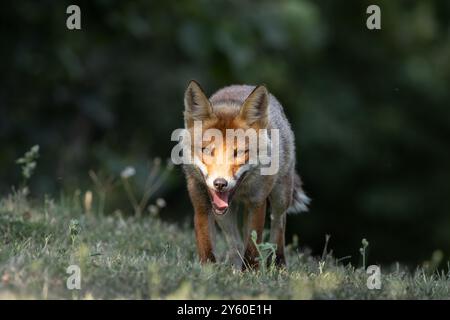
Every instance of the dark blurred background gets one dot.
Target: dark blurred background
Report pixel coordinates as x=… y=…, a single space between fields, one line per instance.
x=370 y=109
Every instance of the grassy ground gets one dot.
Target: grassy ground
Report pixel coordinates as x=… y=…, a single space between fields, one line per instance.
x=147 y=258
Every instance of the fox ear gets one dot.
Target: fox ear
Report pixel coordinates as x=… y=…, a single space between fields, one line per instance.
x=196 y=104
x=254 y=109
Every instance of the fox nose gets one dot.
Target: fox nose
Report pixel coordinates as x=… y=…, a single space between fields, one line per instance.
x=220 y=183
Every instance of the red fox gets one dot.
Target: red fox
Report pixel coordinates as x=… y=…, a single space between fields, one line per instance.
x=219 y=189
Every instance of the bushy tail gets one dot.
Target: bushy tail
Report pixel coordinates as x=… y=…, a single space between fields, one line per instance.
x=300 y=200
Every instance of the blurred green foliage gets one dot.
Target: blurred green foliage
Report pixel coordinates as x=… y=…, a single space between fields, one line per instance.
x=370 y=109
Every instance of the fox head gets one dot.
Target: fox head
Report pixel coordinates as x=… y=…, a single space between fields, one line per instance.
x=222 y=164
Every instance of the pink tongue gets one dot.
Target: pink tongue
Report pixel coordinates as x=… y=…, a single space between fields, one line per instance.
x=220 y=199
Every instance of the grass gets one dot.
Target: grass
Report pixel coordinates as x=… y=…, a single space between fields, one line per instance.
x=146 y=258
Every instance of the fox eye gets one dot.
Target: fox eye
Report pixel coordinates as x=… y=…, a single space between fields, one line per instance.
x=208 y=151
x=240 y=153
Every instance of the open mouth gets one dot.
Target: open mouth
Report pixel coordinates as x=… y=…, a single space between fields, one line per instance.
x=221 y=200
